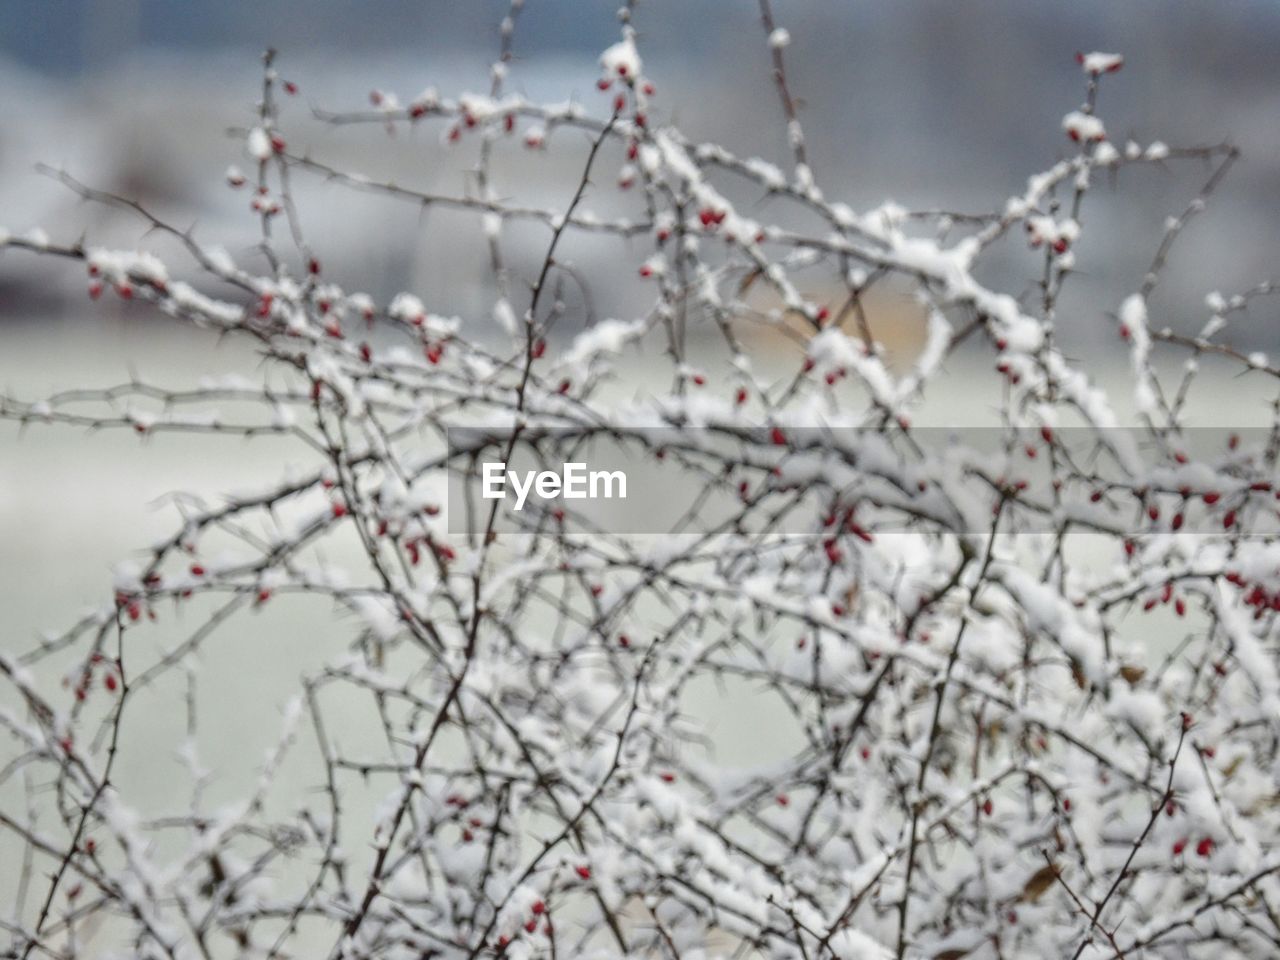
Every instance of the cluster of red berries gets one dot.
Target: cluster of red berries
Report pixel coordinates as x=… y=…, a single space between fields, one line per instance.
x=110 y=679
x=1203 y=848
x=1257 y=596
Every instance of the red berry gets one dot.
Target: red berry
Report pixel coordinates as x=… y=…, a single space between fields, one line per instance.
x=583 y=871
x=987 y=806
x=1205 y=847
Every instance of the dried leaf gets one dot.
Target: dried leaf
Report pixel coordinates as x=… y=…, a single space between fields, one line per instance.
x=851 y=596
x=1038 y=883
x=1078 y=675
x=1133 y=673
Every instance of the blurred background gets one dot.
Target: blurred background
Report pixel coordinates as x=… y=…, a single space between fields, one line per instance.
x=925 y=102
x=929 y=103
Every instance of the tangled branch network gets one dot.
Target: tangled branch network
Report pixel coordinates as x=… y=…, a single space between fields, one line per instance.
x=990 y=759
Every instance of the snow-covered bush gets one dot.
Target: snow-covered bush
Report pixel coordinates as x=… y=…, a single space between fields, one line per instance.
x=992 y=756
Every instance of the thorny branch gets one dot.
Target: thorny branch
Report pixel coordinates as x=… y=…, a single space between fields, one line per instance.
x=976 y=730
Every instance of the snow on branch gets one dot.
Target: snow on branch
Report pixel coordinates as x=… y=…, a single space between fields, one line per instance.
x=988 y=759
